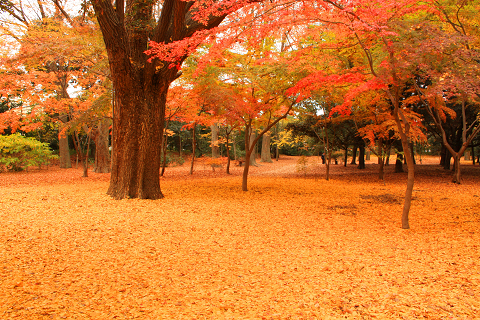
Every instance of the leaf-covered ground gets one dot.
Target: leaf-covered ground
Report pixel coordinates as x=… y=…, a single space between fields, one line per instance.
x=294 y=247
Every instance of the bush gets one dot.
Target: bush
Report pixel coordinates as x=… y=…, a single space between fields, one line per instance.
x=18 y=152
x=173 y=160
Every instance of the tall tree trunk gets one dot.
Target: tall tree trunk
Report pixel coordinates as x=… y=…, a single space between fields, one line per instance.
x=141 y=86
x=215 y=147
x=163 y=151
x=251 y=157
x=354 y=154
x=228 y=150
x=266 y=156
x=102 y=153
x=456 y=166
x=327 y=153
x=404 y=128
x=248 y=152
x=473 y=155
x=137 y=138
x=345 y=159
x=412 y=151
x=361 y=157
x=193 y=148
x=234 y=147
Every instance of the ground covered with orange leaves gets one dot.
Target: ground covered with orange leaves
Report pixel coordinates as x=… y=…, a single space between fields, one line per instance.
x=295 y=246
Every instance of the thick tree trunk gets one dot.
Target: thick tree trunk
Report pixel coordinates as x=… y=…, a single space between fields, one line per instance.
x=345 y=159
x=102 y=153
x=361 y=157
x=266 y=156
x=139 y=121
x=265 y=153
x=447 y=160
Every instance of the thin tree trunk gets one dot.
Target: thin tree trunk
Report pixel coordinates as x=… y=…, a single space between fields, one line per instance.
x=193 y=148
x=85 y=161
x=473 y=155
x=164 y=154
x=250 y=145
x=228 y=151
x=215 y=147
x=234 y=147
x=327 y=152
x=381 y=169
x=248 y=152
x=387 y=155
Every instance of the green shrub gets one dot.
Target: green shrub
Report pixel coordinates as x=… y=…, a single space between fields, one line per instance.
x=173 y=160
x=18 y=152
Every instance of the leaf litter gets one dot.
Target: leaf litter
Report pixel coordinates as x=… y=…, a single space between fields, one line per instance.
x=290 y=248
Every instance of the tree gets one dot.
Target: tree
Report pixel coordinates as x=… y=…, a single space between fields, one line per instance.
x=141 y=85
x=56 y=53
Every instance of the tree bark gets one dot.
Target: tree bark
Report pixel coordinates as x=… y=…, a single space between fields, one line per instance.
x=141 y=86
x=227 y=135
x=102 y=153
x=193 y=148
x=361 y=157
x=473 y=155
x=252 y=139
x=215 y=147
x=354 y=155
x=266 y=156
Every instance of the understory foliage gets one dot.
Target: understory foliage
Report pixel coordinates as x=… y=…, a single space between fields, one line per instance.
x=18 y=152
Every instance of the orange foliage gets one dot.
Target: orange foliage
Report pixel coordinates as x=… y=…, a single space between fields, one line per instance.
x=291 y=248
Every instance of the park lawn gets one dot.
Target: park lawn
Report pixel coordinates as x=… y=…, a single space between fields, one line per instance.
x=294 y=246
